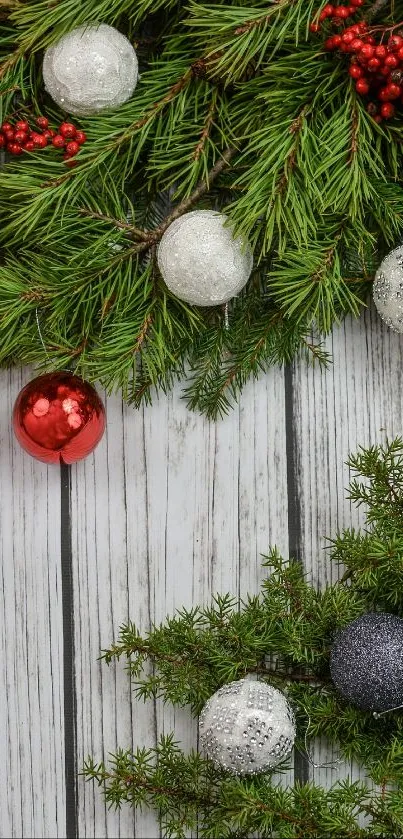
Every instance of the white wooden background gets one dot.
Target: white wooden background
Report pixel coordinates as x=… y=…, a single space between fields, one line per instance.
x=169 y=509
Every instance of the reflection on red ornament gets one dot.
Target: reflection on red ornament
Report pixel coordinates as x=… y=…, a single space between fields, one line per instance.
x=58 y=418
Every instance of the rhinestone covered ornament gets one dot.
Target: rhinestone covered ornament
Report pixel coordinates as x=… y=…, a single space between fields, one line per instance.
x=200 y=260
x=247 y=727
x=366 y=662
x=90 y=69
x=388 y=289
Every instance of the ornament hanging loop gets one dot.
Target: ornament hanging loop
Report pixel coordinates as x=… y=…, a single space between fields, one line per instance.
x=333 y=764
x=378 y=714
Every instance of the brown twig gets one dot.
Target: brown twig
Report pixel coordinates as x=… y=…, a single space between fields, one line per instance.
x=374 y=10
x=206 y=128
x=142 y=334
x=203 y=186
x=122 y=225
x=354 y=135
x=172 y=92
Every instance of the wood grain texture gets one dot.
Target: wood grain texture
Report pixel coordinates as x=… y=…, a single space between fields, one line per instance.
x=357 y=402
x=171 y=509
x=32 y=788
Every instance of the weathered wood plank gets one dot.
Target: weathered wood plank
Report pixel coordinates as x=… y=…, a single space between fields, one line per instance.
x=32 y=787
x=171 y=509
x=358 y=401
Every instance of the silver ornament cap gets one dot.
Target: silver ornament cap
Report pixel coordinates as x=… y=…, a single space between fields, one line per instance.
x=247 y=727
x=91 y=69
x=201 y=261
x=388 y=289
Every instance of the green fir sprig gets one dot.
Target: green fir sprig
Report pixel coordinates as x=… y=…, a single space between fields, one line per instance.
x=310 y=178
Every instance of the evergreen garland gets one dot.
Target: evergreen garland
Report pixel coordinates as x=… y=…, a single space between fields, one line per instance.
x=285 y=635
x=238 y=106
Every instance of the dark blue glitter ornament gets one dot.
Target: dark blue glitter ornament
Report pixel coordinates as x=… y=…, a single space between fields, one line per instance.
x=366 y=662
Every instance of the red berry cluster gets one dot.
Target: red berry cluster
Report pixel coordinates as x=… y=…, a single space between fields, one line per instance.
x=21 y=137
x=337 y=13
x=376 y=67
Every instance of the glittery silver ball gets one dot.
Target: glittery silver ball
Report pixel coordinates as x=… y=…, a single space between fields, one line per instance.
x=90 y=69
x=388 y=289
x=366 y=662
x=200 y=260
x=247 y=727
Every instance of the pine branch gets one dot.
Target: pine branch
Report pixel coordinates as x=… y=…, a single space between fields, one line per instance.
x=203 y=186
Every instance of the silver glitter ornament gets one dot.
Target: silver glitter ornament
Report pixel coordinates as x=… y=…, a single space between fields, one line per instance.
x=366 y=662
x=200 y=260
x=388 y=289
x=90 y=69
x=247 y=727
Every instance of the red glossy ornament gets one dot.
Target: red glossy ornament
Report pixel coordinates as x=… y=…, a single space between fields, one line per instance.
x=58 y=418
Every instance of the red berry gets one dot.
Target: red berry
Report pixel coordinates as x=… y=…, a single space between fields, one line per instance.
x=394 y=91
x=43 y=122
x=22 y=125
x=381 y=51
x=67 y=129
x=21 y=137
x=80 y=137
x=378 y=118
x=29 y=145
x=6 y=127
x=72 y=148
x=39 y=140
x=356 y=3
x=2 y=141
x=342 y=12
x=328 y=45
x=355 y=71
x=387 y=110
x=370 y=40
x=351 y=10
x=383 y=94
x=314 y=27
x=373 y=65
x=367 y=51
x=348 y=37
x=14 y=148
x=357 y=44
x=355 y=29
x=336 y=40
x=58 y=141
x=9 y=134
x=395 y=42
x=384 y=71
x=391 y=61
x=362 y=86
x=327 y=11
x=400 y=53
x=49 y=133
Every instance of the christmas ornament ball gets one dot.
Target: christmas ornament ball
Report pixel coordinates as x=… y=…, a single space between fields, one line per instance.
x=201 y=261
x=90 y=69
x=366 y=662
x=58 y=418
x=247 y=727
x=388 y=289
